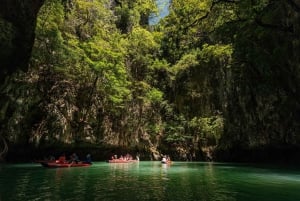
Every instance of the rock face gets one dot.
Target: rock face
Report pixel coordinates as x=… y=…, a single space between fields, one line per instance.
x=17 y=26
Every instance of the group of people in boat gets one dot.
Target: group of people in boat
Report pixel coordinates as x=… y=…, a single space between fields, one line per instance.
x=127 y=157
x=73 y=159
x=166 y=159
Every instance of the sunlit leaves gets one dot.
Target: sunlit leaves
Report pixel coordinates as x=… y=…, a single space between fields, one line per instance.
x=208 y=128
x=145 y=6
x=142 y=48
x=142 y=41
x=133 y=13
x=49 y=37
x=198 y=57
x=192 y=23
x=155 y=95
x=187 y=61
x=218 y=51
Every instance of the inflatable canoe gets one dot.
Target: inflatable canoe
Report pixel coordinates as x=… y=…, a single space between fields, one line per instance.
x=55 y=164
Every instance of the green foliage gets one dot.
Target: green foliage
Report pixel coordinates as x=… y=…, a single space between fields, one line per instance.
x=145 y=7
x=132 y=13
x=180 y=32
x=109 y=76
x=155 y=95
x=142 y=49
x=191 y=24
x=208 y=129
x=175 y=131
x=216 y=52
x=187 y=61
x=142 y=45
x=49 y=39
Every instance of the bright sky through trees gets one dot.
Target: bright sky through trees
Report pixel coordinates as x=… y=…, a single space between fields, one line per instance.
x=163 y=10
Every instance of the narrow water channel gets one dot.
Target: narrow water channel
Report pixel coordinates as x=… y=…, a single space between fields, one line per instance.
x=179 y=181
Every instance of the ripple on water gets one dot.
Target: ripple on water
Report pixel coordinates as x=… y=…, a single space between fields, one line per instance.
x=149 y=181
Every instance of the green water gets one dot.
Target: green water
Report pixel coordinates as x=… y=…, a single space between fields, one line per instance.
x=150 y=181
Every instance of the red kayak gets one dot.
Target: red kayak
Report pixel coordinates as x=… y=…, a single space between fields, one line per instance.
x=122 y=161
x=57 y=164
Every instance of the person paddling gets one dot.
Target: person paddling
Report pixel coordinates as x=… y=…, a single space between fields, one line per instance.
x=74 y=158
x=62 y=158
x=88 y=159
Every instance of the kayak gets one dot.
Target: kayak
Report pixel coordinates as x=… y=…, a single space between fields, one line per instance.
x=55 y=164
x=121 y=161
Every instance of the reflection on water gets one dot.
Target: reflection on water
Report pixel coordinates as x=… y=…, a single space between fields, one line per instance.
x=164 y=171
x=22 y=185
x=179 y=181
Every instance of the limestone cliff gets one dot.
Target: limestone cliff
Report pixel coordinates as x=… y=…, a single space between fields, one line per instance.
x=17 y=26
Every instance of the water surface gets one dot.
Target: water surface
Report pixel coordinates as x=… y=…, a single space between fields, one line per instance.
x=150 y=181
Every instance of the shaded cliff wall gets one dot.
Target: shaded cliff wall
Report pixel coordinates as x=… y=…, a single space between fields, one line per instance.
x=17 y=26
x=263 y=113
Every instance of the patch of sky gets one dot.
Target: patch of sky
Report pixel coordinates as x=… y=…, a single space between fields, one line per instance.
x=163 y=11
